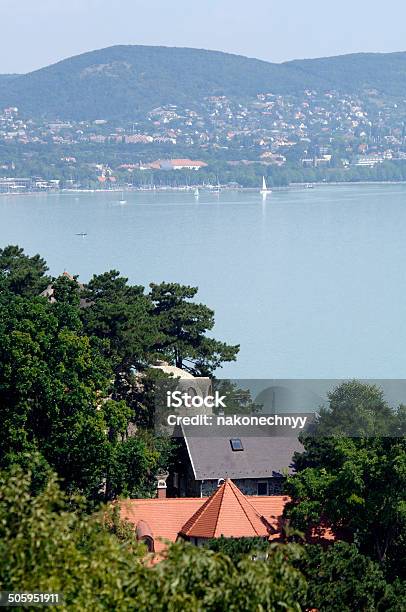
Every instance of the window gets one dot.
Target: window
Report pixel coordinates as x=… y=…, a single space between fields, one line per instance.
x=262 y=488
x=236 y=444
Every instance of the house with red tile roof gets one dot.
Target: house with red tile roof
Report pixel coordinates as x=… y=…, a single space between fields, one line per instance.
x=174 y=164
x=227 y=512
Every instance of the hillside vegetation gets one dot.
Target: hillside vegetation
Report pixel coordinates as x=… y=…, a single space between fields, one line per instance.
x=122 y=81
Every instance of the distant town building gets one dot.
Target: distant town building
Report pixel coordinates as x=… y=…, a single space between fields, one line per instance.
x=369 y=160
x=174 y=164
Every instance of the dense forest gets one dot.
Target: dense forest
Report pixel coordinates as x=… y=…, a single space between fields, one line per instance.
x=75 y=373
x=123 y=81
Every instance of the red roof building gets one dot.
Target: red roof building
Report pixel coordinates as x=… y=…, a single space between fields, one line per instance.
x=227 y=512
x=174 y=164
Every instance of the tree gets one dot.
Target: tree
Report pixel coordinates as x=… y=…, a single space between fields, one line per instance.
x=120 y=314
x=55 y=403
x=135 y=463
x=183 y=325
x=66 y=293
x=21 y=274
x=356 y=410
x=357 y=484
x=340 y=579
x=197 y=579
x=239 y=548
x=44 y=546
x=238 y=401
x=52 y=382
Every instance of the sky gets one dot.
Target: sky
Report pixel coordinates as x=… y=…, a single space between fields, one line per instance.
x=36 y=33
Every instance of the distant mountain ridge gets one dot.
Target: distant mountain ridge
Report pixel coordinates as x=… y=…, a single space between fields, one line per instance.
x=122 y=82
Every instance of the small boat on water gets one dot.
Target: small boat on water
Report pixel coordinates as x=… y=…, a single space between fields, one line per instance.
x=197 y=193
x=82 y=234
x=265 y=189
x=123 y=200
x=309 y=186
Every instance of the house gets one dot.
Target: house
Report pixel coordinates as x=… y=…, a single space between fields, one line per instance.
x=49 y=292
x=184 y=164
x=256 y=458
x=227 y=512
x=257 y=461
x=174 y=164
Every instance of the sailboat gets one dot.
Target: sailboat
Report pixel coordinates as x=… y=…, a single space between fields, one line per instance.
x=265 y=189
x=123 y=200
x=197 y=193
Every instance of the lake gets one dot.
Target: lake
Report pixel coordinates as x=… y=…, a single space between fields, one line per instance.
x=311 y=282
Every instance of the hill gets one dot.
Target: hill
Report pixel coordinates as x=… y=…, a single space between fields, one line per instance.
x=122 y=81
x=357 y=72
x=7 y=77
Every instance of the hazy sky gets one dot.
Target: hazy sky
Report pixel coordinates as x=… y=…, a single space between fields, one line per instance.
x=35 y=33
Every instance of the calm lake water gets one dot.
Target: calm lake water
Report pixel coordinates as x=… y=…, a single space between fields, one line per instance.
x=311 y=283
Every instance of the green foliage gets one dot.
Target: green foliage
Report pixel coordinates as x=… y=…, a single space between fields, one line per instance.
x=340 y=579
x=44 y=546
x=66 y=293
x=196 y=579
x=144 y=78
x=238 y=548
x=21 y=274
x=75 y=380
x=135 y=463
x=358 y=484
x=183 y=326
x=238 y=401
x=123 y=81
x=120 y=314
x=51 y=384
x=142 y=392
x=357 y=410
x=54 y=407
x=45 y=160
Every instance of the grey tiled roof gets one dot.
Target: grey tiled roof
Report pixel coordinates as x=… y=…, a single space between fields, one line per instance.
x=263 y=456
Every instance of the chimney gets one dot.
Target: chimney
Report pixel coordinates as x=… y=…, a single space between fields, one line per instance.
x=161 y=477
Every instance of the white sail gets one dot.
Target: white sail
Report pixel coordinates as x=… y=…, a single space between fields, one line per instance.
x=265 y=189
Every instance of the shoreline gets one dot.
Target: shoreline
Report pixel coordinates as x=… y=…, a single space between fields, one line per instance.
x=203 y=189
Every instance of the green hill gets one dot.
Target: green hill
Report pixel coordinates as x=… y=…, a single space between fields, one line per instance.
x=120 y=82
x=384 y=72
x=8 y=77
